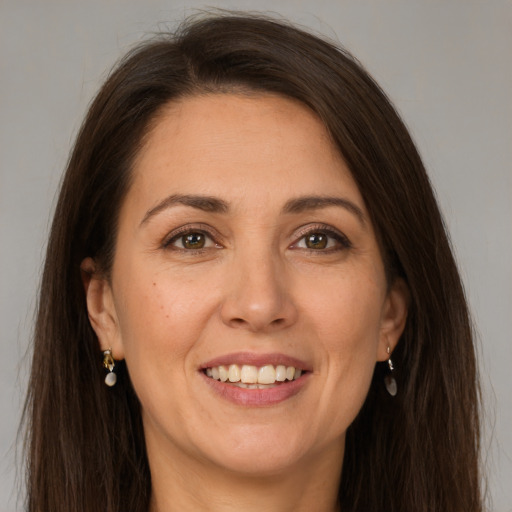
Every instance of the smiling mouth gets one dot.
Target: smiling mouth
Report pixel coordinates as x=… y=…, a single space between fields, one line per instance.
x=254 y=377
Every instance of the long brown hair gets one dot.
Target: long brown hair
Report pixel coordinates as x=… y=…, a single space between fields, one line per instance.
x=418 y=451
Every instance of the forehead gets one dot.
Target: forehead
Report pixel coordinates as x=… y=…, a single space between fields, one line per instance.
x=240 y=146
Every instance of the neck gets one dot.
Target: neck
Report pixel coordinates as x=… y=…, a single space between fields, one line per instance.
x=190 y=484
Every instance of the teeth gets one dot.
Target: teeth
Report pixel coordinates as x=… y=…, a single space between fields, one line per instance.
x=249 y=374
x=281 y=373
x=252 y=377
x=267 y=374
x=234 y=373
x=223 y=373
x=253 y=386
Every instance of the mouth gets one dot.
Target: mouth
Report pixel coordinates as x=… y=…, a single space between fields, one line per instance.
x=248 y=376
x=256 y=380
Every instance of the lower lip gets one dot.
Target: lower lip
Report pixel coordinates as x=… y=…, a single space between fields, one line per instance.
x=257 y=397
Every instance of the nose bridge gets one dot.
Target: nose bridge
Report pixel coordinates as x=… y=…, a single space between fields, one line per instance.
x=259 y=297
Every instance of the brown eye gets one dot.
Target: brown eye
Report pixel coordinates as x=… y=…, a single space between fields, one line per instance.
x=316 y=241
x=322 y=239
x=193 y=241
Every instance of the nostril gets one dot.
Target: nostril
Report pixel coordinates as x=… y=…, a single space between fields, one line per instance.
x=240 y=322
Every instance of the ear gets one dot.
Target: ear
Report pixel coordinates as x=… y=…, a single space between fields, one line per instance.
x=394 y=316
x=101 y=308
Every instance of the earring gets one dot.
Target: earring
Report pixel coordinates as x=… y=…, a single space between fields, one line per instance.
x=109 y=364
x=389 y=380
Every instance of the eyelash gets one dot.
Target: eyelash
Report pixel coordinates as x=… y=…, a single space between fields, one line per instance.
x=322 y=229
x=190 y=230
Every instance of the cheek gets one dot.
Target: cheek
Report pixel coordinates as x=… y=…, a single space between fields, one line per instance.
x=350 y=337
x=347 y=315
x=346 y=320
x=161 y=326
x=160 y=321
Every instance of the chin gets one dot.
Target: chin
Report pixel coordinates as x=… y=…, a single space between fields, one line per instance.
x=259 y=451
x=253 y=463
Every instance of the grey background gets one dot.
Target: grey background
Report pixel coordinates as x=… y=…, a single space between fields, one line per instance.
x=446 y=64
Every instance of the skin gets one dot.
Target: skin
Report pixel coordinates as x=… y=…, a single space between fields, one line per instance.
x=255 y=286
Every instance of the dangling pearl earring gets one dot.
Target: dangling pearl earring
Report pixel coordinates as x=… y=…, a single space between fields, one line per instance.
x=109 y=364
x=389 y=380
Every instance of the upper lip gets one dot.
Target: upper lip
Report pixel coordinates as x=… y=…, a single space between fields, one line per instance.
x=255 y=359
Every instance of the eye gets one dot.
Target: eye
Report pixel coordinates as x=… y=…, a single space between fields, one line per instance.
x=321 y=238
x=190 y=240
x=316 y=241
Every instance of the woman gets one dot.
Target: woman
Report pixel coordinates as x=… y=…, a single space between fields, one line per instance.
x=248 y=252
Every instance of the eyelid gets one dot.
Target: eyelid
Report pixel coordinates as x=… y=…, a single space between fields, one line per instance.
x=299 y=234
x=321 y=228
x=204 y=229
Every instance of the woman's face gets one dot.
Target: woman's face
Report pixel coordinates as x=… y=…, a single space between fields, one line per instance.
x=245 y=251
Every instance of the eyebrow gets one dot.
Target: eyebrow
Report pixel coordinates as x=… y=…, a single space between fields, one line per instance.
x=308 y=203
x=215 y=205
x=205 y=203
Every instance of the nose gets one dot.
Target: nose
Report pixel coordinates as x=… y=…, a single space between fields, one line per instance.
x=259 y=295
